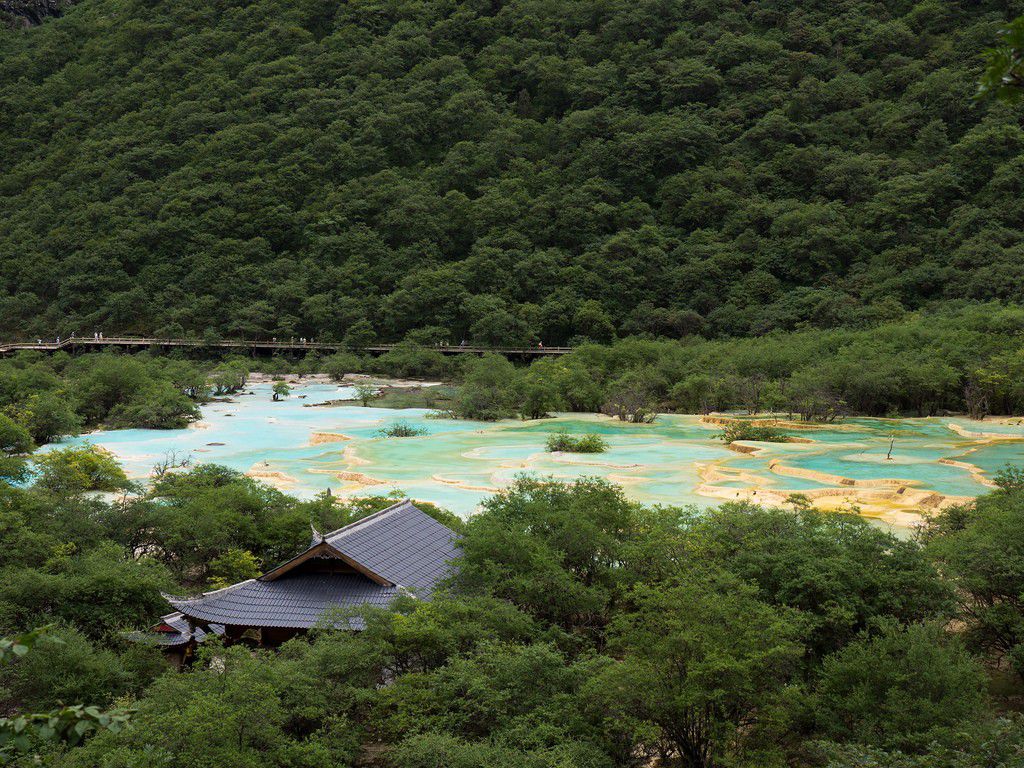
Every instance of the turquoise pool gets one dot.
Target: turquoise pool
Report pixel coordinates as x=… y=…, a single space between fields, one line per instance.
x=303 y=449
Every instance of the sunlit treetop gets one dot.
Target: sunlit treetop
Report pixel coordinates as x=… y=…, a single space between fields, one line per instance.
x=1004 y=75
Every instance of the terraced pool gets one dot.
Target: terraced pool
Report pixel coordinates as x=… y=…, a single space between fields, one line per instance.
x=303 y=448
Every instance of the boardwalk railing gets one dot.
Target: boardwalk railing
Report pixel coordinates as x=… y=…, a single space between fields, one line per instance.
x=129 y=342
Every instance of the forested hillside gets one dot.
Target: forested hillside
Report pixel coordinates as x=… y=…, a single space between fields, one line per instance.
x=502 y=171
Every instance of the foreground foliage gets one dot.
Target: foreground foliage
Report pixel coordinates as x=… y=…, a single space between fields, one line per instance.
x=582 y=630
x=1004 y=76
x=964 y=541
x=70 y=725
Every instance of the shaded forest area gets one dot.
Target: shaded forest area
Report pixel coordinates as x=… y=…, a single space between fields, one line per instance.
x=506 y=172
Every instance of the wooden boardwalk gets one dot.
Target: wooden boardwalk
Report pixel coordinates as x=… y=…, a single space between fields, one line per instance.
x=138 y=342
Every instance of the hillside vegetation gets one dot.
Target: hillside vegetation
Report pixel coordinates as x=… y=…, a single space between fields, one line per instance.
x=502 y=171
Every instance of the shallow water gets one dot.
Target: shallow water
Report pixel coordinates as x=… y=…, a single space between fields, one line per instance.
x=676 y=460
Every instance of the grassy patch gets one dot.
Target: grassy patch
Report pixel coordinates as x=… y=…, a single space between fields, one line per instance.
x=417 y=397
x=408 y=397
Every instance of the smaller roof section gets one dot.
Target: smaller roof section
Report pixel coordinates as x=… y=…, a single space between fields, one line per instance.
x=301 y=601
x=173 y=630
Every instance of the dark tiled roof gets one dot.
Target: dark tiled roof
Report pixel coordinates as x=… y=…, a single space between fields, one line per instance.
x=400 y=544
x=297 y=601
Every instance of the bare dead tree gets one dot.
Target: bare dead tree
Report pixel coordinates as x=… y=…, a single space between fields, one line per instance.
x=171 y=461
x=976 y=400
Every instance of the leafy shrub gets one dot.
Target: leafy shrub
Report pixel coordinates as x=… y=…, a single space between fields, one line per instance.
x=563 y=441
x=904 y=687
x=412 y=360
x=487 y=390
x=365 y=392
x=157 y=406
x=401 y=428
x=233 y=566
x=744 y=430
x=340 y=363
x=78 y=469
x=64 y=666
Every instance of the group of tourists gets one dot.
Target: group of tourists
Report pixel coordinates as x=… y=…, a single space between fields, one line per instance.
x=96 y=336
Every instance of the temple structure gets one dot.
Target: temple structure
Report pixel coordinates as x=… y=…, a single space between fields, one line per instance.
x=397 y=550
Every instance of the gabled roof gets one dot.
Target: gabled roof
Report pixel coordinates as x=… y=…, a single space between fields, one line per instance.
x=396 y=549
x=397 y=546
x=407 y=547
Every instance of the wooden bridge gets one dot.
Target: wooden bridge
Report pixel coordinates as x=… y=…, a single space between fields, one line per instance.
x=87 y=343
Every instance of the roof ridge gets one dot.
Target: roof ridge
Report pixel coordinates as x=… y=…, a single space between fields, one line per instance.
x=173 y=600
x=369 y=518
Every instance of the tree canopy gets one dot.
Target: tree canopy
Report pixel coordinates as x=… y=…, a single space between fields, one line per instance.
x=581 y=630
x=502 y=172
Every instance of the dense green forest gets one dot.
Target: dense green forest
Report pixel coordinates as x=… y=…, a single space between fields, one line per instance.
x=582 y=631
x=503 y=171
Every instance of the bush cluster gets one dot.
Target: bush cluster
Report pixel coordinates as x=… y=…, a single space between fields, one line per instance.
x=744 y=430
x=589 y=443
x=401 y=428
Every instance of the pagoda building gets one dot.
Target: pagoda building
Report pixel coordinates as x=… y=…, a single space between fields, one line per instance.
x=398 y=550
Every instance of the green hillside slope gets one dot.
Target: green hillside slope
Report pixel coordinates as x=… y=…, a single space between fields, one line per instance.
x=541 y=169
